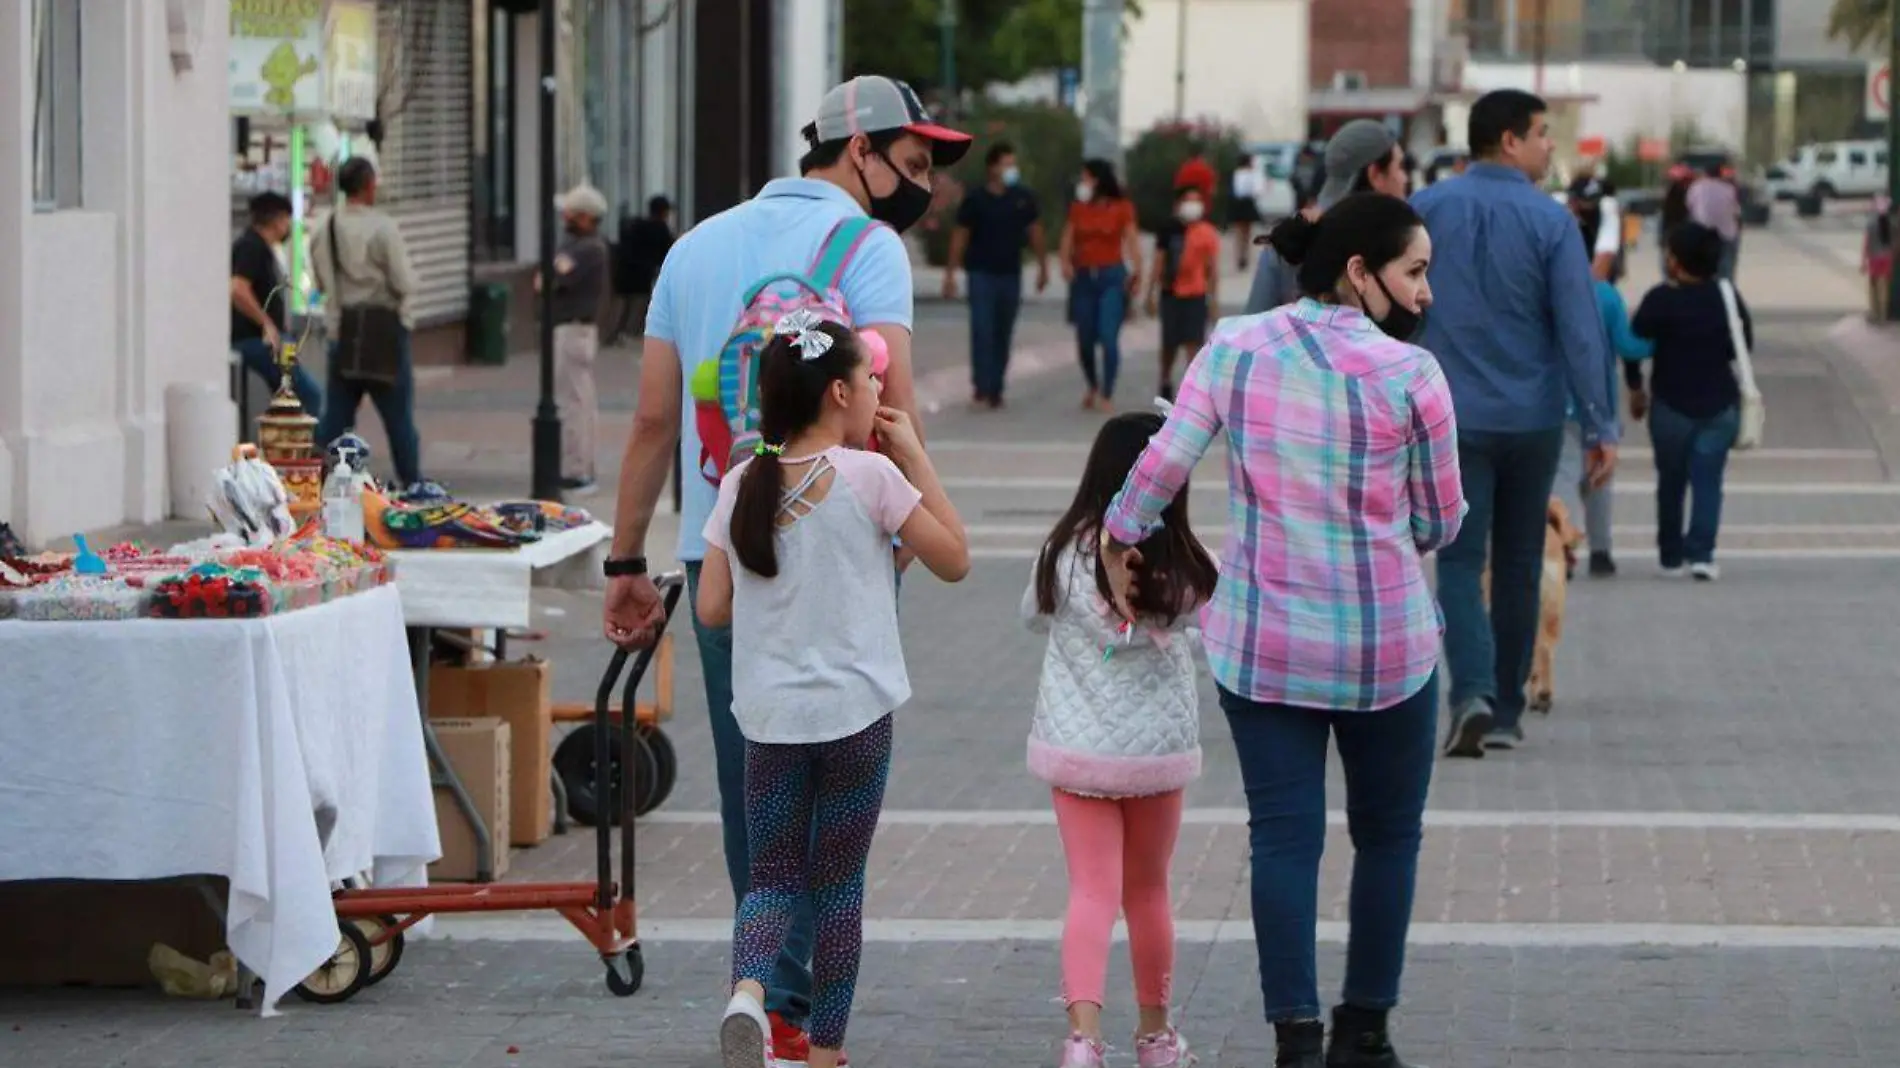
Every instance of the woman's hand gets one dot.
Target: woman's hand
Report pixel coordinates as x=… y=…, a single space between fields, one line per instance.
x=897 y=436
x=1639 y=404
x=1120 y=563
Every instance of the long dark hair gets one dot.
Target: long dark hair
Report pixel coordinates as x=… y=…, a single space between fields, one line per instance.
x=1375 y=227
x=1176 y=571
x=1107 y=186
x=791 y=398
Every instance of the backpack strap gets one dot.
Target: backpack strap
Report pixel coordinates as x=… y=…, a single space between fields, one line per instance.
x=840 y=246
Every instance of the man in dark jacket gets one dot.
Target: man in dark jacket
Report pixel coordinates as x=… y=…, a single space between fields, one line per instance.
x=644 y=243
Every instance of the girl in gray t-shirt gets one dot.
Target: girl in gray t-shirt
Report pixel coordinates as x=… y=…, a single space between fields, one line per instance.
x=798 y=563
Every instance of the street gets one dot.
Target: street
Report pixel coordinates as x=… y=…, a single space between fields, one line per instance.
x=1695 y=861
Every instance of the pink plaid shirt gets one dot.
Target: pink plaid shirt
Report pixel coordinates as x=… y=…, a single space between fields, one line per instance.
x=1342 y=473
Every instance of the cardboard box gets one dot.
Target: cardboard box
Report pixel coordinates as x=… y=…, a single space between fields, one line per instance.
x=478 y=750
x=519 y=693
x=62 y=932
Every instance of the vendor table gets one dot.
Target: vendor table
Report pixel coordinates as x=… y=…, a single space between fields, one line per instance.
x=283 y=753
x=473 y=589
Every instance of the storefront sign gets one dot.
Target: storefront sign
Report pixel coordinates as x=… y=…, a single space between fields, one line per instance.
x=1879 y=102
x=350 y=69
x=276 y=56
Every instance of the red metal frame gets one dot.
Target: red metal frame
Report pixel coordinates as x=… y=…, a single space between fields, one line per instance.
x=611 y=927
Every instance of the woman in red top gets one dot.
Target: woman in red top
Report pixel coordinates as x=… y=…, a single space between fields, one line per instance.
x=1101 y=261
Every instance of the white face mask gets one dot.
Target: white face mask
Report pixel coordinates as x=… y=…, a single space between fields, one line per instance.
x=1084 y=192
x=1011 y=176
x=1191 y=211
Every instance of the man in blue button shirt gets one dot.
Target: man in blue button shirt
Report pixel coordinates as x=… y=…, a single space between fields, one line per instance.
x=1514 y=324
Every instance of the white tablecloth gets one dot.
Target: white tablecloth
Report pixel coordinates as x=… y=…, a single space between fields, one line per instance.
x=482 y=587
x=282 y=753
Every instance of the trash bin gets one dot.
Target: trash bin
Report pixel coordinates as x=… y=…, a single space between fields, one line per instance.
x=488 y=324
x=1809 y=205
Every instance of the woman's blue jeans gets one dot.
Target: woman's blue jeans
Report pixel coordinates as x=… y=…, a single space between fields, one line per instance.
x=1691 y=458
x=1388 y=762
x=1098 y=303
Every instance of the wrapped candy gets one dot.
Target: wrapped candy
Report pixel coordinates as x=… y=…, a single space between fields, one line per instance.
x=213 y=591
x=249 y=500
x=79 y=598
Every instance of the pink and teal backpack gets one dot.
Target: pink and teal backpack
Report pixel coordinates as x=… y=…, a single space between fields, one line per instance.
x=726 y=390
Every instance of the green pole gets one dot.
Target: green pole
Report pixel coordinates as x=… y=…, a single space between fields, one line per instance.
x=296 y=218
x=947 y=49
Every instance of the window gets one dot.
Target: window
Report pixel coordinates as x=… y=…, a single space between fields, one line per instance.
x=1857 y=158
x=1826 y=157
x=56 y=128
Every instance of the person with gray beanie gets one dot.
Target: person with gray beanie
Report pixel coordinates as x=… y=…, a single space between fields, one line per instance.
x=1362 y=157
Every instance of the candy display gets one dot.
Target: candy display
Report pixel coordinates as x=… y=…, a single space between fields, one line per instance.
x=79 y=597
x=213 y=591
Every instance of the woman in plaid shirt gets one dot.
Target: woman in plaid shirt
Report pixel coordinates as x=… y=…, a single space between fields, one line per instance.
x=1342 y=468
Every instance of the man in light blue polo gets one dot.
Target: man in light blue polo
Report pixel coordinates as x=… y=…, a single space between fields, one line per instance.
x=1514 y=324
x=873 y=149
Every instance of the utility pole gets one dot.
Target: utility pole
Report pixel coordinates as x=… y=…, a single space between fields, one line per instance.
x=1893 y=153
x=1540 y=41
x=1102 y=80
x=1180 y=62
x=547 y=417
x=947 y=52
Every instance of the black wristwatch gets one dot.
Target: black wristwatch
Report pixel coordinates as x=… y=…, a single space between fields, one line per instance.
x=624 y=567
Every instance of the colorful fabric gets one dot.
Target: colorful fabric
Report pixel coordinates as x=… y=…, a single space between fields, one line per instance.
x=811 y=811
x=1342 y=468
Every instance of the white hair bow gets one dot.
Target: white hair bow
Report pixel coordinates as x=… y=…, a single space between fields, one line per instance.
x=1164 y=406
x=802 y=326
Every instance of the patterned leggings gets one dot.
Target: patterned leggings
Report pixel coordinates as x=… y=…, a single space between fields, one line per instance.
x=810 y=812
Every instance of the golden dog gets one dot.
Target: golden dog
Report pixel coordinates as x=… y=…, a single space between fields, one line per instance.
x=1561 y=540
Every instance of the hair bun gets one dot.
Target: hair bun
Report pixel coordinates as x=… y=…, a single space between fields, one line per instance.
x=1292 y=237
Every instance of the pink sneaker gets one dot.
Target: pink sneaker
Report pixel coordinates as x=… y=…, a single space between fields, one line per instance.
x=1164 y=1049
x=1081 y=1052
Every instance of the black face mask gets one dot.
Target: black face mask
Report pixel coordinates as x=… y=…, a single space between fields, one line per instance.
x=1400 y=323
x=904 y=206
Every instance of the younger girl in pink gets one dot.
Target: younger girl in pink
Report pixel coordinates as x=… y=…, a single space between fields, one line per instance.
x=1117 y=737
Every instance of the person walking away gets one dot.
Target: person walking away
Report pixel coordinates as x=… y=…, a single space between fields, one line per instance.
x=1594 y=502
x=798 y=565
x=1363 y=156
x=360 y=258
x=1876 y=257
x=1186 y=277
x=1244 y=207
x=580 y=289
x=1674 y=212
x=1693 y=400
x=995 y=222
x=258 y=290
x=1339 y=433
x=1101 y=262
x=872 y=152
x=1515 y=327
x=644 y=243
x=1714 y=201
x=1116 y=736
x=1593 y=201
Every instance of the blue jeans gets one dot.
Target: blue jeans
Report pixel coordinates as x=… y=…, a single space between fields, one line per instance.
x=1507 y=482
x=994 y=302
x=1098 y=302
x=258 y=360
x=789 y=992
x=1691 y=456
x=1387 y=756
x=396 y=405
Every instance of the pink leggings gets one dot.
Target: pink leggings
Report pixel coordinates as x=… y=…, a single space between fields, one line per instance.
x=1118 y=851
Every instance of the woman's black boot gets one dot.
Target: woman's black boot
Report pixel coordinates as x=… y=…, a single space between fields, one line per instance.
x=1359 y=1040
x=1301 y=1044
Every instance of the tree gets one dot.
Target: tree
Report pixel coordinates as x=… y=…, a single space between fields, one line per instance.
x=996 y=40
x=1860 y=22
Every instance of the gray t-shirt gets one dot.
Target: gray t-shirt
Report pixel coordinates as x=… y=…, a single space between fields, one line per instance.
x=579 y=289
x=816 y=651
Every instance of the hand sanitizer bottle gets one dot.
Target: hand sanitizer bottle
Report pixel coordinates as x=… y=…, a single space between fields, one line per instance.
x=343 y=504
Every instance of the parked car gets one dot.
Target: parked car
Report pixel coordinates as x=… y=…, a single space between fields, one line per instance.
x=1275 y=161
x=1835 y=169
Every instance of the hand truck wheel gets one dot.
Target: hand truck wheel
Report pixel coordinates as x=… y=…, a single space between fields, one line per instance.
x=666 y=766
x=626 y=972
x=574 y=762
x=347 y=971
x=384 y=958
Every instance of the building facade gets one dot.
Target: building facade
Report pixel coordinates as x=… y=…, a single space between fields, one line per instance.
x=114 y=156
x=1242 y=63
x=1378 y=59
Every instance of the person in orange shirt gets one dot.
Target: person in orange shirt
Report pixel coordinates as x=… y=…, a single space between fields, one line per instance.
x=1101 y=261
x=1186 y=276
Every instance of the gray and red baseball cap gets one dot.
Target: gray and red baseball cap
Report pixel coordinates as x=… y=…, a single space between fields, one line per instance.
x=872 y=103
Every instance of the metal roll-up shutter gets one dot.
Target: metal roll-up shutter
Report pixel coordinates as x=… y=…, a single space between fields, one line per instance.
x=425 y=180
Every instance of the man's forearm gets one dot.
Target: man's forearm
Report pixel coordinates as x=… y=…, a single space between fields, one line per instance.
x=643 y=472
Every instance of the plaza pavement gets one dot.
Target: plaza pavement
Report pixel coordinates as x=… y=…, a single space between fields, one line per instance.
x=1695 y=861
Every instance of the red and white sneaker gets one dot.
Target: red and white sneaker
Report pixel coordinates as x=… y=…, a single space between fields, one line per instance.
x=792 y=1045
x=745 y=1036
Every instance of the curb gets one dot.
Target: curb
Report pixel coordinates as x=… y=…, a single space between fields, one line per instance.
x=1857 y=348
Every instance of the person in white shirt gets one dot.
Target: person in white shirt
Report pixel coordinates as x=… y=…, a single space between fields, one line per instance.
x=1244 y=207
